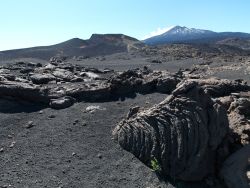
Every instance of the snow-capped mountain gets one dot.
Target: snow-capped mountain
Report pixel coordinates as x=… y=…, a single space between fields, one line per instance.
x=178 y=30
x=180 y=34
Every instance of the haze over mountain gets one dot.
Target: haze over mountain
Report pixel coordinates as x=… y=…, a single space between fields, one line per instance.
x=98 y=44
x=179 y=34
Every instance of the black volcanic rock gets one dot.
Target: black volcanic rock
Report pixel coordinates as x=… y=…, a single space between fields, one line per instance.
x=181 y=133
x=63 y=74
x=221 y=87
x=23 y=91
x=61 y=103
x=138 y=81
x=42 y=78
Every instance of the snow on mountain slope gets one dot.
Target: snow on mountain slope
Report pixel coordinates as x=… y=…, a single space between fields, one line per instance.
x=180 y=34
x=185 y=31
x=177 y=34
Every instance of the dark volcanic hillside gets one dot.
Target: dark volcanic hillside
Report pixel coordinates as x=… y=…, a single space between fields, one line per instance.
x=95 y=46
x=236 y=42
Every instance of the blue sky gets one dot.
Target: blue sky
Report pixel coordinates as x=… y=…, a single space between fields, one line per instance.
x=26 y=23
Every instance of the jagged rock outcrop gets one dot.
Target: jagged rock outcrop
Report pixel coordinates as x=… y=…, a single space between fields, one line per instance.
x=97 y=91
x=58 y=59
x=238 y=109
x=181 y=133
x=60 y=79
x=143 y=81
x=221 y=87
x=42 y=78
x=23 y=91
x=63 y=74
x=239 y=119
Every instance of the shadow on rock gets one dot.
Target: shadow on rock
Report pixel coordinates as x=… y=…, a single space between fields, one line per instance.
x=12 y=106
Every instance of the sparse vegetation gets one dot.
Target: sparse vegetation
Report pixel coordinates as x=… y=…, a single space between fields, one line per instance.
x=155 y=165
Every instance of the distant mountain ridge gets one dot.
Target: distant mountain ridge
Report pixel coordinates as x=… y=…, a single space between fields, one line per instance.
x=107 y=44
x=98 y=44
x=179 y=34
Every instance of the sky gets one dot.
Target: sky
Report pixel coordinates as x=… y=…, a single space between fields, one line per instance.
x=27 y=23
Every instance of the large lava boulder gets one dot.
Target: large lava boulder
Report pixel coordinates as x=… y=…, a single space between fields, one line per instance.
x=42 y=78
x=61 y=103
x=25 y=91
x=181 y=133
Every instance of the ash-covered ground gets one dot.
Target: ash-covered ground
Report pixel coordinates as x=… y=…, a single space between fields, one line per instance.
x=57 y=117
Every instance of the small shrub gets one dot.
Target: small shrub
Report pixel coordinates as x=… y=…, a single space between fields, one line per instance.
x=155 y=165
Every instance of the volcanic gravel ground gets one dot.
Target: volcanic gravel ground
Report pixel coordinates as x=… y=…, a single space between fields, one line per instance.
x=69 y=147
x=74 y=148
